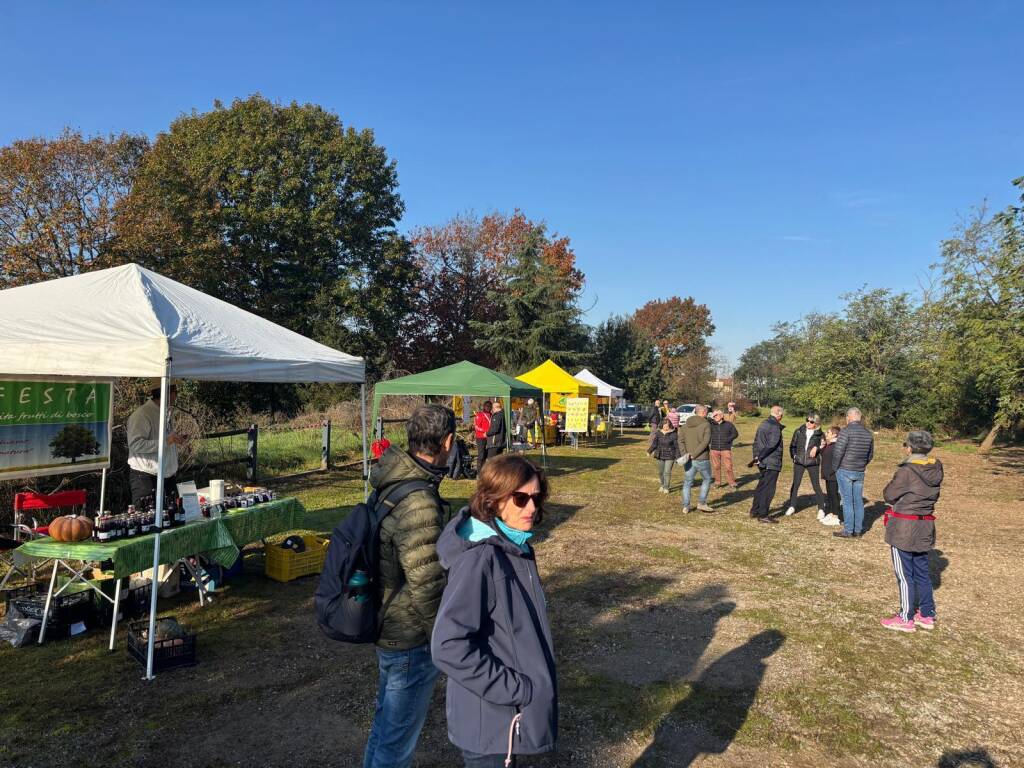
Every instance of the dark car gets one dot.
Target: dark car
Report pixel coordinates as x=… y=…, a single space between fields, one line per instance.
x=631 y=416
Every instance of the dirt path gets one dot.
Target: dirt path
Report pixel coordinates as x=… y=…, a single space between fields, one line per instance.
x=703 y=640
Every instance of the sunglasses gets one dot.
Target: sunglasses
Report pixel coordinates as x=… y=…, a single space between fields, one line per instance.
x=520 y=499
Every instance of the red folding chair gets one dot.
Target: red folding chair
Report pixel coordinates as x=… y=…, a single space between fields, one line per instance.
x=30 y=501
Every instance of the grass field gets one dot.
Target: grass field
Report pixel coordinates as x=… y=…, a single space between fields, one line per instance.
x=703 y=640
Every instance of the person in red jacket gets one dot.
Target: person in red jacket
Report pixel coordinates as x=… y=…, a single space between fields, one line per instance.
x=481 y=423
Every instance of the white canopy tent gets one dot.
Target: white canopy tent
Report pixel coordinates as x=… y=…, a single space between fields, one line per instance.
x=604 y=389
x=129 y=321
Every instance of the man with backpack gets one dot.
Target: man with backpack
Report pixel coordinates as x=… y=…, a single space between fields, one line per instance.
x=411 y=581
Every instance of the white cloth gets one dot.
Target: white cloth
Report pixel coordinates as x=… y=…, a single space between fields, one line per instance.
x=144 y=440
x=807 y=445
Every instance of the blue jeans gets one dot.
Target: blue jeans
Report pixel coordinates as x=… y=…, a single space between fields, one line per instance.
x=704 y=467
x=403 y=696
x=851 y=488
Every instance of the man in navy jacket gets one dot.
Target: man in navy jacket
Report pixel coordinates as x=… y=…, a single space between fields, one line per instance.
x=768 y=458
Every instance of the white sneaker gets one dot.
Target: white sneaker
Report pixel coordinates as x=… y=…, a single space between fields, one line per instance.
x=831 y=520
x=821 y=515
x=790 y=511
x=663 y=490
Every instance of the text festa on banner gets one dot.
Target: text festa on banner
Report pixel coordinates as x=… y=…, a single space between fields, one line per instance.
x=51 y=427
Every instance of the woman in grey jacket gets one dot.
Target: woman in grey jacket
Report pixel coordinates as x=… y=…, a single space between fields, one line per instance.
x=491 y=636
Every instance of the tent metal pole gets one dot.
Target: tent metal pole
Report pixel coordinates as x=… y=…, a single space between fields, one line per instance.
x=103 y=488
x=155 y=580
x=366 y=470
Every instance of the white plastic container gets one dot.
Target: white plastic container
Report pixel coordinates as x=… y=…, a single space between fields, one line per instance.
x=216 y=490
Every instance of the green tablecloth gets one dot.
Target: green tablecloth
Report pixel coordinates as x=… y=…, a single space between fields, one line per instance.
x=218 y=539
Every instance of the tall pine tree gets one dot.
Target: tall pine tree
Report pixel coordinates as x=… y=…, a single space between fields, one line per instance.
x=538 y=317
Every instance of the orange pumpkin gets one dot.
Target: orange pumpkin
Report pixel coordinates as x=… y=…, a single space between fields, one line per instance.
x=71 y=528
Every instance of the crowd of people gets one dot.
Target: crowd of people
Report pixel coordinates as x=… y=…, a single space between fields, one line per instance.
x=837 y=456
x=462 y=594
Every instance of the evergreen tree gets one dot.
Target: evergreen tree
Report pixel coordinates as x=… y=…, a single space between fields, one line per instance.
x=537 y=316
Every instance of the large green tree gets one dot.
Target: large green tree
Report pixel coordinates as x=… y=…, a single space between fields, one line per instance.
x=982 y=355
x=624 y=356
x=73 y=441
x=282 y=210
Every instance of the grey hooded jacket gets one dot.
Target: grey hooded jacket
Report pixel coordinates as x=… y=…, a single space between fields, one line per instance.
x=492 y=639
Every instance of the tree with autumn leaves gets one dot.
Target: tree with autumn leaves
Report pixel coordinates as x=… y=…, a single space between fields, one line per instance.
x=679 y=330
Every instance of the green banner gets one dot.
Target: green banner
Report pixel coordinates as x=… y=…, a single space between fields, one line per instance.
x=53 y=402
x=51 y=427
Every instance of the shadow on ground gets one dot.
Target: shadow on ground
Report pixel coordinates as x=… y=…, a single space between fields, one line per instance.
x=623 y=637
x=562 y=464
x=707 y=720
x=1006 y=461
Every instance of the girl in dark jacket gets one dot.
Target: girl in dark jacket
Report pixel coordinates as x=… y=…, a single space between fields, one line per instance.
x=665 y=448
x=491 y=636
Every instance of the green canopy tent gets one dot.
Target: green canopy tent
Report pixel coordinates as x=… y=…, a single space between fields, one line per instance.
x=463 y=378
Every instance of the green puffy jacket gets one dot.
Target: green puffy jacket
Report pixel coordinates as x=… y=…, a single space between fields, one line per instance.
x=408 y=553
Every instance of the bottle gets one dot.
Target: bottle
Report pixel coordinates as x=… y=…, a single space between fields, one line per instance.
x=97 y=528
x=357 y=586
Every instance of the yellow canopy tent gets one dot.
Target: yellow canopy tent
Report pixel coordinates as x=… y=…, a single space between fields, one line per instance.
x=557 y=384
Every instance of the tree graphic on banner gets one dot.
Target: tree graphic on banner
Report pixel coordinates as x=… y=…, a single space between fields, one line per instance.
x=74 y=441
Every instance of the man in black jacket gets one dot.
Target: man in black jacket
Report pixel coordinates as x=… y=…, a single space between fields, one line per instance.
x=497 y=431
x=803 y=450
x=768 y=458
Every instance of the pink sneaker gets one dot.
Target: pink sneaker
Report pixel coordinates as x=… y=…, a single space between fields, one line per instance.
x=924 y=622
x=895 y=622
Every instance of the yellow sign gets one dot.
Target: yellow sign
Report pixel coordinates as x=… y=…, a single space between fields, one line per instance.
x=577 y=410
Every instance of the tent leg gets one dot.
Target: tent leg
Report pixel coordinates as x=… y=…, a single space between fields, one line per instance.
x=103 y=490
x=366 y=471
x=164 y=394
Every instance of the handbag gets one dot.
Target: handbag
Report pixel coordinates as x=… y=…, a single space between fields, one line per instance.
x=683 y=460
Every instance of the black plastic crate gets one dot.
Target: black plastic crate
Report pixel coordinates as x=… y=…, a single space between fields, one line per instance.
x=133 y=604
x=66 y=609
x=167 y=654
x=25 y=590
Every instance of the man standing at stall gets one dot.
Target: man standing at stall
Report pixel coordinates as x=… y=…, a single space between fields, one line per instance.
x=144 y=446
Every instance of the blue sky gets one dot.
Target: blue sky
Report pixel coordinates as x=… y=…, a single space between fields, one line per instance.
x=761 y=157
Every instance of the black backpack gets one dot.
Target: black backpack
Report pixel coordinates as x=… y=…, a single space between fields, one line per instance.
x=352 y=613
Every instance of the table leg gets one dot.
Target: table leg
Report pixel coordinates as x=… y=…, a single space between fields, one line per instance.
x=113 y=621
x=49 y=599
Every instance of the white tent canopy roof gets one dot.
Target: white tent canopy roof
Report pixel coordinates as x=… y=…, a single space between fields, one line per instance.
x=604 y=389
x=126 y=321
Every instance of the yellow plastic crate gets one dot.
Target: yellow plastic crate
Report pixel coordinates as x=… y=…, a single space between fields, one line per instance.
x=286 y=564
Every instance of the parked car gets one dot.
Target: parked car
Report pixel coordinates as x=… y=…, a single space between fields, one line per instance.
x=685 y=411
x=631 y=416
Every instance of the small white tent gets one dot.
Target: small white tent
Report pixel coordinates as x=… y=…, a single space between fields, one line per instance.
x=129 y=321
x=604 y=389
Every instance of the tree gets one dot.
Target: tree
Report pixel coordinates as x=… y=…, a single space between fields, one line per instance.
x=537 y=315
x=983 y=299
x=464 y=267
x=278 y=209
x=74 y=441
x=626 y=357
x=680 y=329
x=58 y=200
x=762 y=367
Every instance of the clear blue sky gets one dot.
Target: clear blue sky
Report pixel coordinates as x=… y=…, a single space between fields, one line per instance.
x=761 y=157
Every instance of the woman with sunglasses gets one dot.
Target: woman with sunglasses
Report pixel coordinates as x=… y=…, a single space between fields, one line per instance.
x=491 y=636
